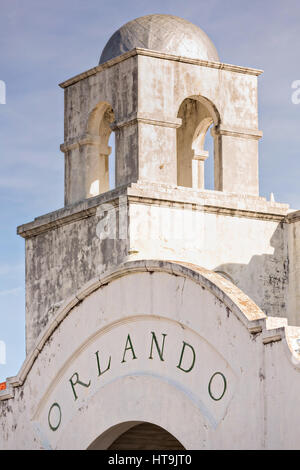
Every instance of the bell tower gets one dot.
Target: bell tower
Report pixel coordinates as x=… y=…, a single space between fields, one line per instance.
x=160 y=86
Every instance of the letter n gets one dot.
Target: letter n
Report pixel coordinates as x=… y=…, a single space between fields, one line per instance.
x=159 y=350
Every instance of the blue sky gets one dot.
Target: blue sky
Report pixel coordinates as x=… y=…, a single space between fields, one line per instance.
x=43 y=43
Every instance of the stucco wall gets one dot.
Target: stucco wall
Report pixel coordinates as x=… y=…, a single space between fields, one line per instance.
x=293 y=235
x=251 y=252
x=168 y=385
x=241 y=237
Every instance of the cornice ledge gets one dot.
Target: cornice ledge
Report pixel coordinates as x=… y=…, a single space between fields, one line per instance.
x=241 y=133
x=293 y=217
x=86 y=139
x=159 y=55
x=147 y=118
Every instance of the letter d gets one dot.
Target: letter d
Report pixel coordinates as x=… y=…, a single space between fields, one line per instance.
x=187 y=369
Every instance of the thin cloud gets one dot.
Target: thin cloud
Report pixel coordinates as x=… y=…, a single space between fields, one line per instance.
x=8 y=269
x=14 y=291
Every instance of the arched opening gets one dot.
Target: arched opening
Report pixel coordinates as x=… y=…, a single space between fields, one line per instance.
x=146 y=436
x=195 y=144
x=101 y=149
x=136 y=436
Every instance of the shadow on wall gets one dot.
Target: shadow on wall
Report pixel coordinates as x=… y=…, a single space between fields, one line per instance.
x=265 y=278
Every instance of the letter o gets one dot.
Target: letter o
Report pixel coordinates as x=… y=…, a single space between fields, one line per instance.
x=53 y=428
x=209 y=386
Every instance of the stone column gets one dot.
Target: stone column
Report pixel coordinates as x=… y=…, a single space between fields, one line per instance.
x=236 y=160
x=97 y=168
x=146 y=149
x=198 y=169
x=86 y=168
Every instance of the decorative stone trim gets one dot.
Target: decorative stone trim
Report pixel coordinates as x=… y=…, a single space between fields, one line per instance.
x=205 y=200
x=253 y=134
x=160 y=55
x=201 y=155
x=236 y=301
x=293 y=217
x=166 y=121
x=273 y=338
x=87 y=139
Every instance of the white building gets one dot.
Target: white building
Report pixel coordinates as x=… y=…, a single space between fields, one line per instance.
x=158 y=313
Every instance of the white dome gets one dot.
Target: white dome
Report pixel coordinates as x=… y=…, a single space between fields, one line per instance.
x=163 y=33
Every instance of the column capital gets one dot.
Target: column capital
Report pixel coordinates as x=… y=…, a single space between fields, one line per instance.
x=200 y=155
x=147 y=118
x=86 y=139
x=241 y=133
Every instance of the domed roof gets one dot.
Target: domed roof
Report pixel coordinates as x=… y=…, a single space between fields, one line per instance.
x=163 y=33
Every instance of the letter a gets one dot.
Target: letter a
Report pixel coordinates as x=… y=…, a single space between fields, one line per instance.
x=127 y=348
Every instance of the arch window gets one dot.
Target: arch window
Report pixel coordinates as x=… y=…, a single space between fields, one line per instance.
x=101 y=148
x=194 y=145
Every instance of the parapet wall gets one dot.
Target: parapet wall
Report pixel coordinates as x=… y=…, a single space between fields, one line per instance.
x=243 y=238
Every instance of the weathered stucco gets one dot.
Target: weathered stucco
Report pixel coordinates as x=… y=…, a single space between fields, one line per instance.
x=243 y=238
x=187 y=304
x=293 y=237
x=145 y=90
x=114 y=274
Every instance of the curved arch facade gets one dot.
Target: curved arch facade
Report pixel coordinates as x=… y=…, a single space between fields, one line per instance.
x=161 y=342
